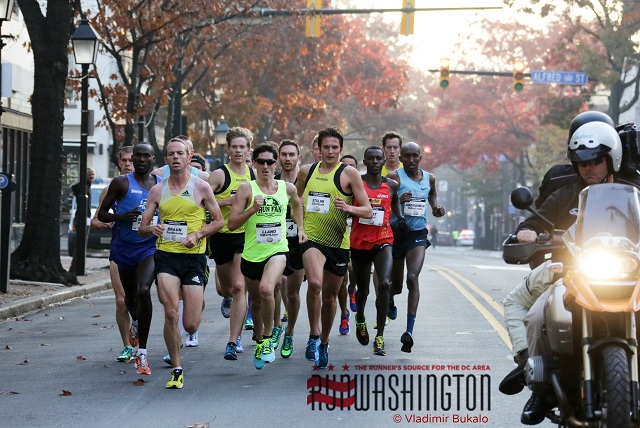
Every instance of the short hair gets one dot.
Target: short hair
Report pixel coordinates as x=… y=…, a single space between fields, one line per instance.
x=373 y=148
x=238 y=131
x=287 y=142
x=197 y=157
x=180 y=139
x=123 y=150
x=390 y=135
x=331 y=131
x=349 y=157
x=314 y=141
x=267 y=146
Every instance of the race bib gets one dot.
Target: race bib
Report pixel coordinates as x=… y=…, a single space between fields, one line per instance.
x=175 y=230
x=318 y=202
x=136 y=224
x=376 y=220
x=268 y=233
x=416 y=207
x=292 y=229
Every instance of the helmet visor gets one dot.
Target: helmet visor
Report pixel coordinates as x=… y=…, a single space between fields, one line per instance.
x=583 y=154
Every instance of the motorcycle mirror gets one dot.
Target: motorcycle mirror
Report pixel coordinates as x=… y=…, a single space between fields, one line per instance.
x=521 y=198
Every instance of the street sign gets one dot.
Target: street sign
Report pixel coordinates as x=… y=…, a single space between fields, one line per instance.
x=4 y=181
x=561 y=77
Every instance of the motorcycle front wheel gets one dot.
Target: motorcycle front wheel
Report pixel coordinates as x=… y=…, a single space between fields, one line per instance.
x=615 y=388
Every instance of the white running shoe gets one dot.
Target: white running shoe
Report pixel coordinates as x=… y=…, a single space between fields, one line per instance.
x=192 y=339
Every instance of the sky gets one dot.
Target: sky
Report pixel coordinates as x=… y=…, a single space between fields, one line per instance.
x=435 y=33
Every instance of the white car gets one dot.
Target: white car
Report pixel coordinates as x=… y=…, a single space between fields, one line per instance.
x=466 y=237
x=98 y=239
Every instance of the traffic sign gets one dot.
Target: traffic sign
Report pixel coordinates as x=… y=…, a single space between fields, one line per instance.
x=561 y=77
x=4 y=181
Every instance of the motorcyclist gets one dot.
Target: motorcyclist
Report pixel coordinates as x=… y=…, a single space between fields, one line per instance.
x=521 y=298
x=595 y=151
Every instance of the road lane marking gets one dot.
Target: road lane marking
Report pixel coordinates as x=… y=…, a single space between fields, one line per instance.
x=475 y=288
x=502 y=332
x=523 y=268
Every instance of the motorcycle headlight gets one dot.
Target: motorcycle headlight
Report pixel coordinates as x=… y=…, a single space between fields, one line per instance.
x=608 y=266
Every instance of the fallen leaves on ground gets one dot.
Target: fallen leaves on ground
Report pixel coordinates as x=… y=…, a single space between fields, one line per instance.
x=8 y=347
x=139 y=382
x=65 y=393
x=24 y=363
x=80 y=358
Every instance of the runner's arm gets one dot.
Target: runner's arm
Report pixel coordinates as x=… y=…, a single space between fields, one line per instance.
x=153 y=202
x=239 y=213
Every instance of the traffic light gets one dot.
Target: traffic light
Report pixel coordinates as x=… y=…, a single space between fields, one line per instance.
x=312 y=28
x=406 y=24
x=444 y=73
x=518 y=75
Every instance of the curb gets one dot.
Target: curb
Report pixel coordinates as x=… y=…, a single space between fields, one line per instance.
x=30 y=304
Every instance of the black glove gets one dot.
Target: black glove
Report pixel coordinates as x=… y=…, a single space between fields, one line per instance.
x=400 y=226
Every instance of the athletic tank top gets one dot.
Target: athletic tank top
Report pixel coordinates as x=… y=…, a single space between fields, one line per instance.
x=166 y=171
x=385 y=171
x=415 y=211
x=365 y=232
x=136 y=197
x=181 y=216
x=292 y=227
x=323 y=223
x=265 y=231
x=231 y=183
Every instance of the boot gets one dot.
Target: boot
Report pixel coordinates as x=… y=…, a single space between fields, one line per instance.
x=515 y=381
x=535 y=409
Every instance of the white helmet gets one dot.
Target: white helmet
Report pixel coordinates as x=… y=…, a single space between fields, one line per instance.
x=593 y=140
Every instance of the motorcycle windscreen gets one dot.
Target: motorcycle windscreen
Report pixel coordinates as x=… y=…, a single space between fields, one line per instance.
x=608 y=210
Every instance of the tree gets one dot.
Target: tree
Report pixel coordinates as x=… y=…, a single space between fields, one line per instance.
x=37 y=258
x=611 y=25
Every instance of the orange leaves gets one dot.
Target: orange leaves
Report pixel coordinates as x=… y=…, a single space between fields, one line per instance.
x=65 y=393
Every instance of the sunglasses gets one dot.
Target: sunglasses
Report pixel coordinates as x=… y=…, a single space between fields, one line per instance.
x=592 y=162
x=269 y=162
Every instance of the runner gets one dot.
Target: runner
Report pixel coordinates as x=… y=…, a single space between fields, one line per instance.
x=133 y=254
x=262 y=205
x=128 y=330
x=226 y=246
x=180 y=262
x=328 y=188
x=289 y=158
x=371 y=241
x=417 y=187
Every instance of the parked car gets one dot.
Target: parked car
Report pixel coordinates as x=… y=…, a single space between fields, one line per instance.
x=466 y=237
x=444 y=239
x=98 y=239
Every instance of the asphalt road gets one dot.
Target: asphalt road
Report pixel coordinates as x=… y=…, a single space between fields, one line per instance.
x=460 y=344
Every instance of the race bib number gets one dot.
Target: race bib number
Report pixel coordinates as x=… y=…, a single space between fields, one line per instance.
x=175 y=230
x=268 y=233
x=136 y=224
x=416 y=207
x=318 y=202
x=292 y=229
x=376 y=220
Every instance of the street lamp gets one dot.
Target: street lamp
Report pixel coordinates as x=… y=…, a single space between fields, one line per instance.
x=85 y=50
x=221 y=137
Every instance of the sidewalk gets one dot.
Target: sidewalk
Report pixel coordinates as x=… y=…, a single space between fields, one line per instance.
x=23 y=297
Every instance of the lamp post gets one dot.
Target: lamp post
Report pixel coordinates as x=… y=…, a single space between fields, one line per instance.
x=85 y=50
x=221 y=138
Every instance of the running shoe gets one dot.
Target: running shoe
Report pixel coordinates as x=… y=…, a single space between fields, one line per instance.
x=392 y=311
x=287 y=347
x=248 y=323
x=225 y=306
x=239 y=348
x=126 y=354
x=177 y=379
x=142 y=364
x=386 y=322
x=361 y=332
x=192 y=339
x=230 y=353
x=323 y=357
x=285 y=317
x=133 y=334
x=344 y=324
x=352 y=301
x=167 y=359
x=407 y=342
x=268 y=355
x=311 y=353
x=378 y=346
x=276 y=334
x=258 y=362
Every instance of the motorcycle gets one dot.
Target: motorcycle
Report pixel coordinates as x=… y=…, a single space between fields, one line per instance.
x=589 y=313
